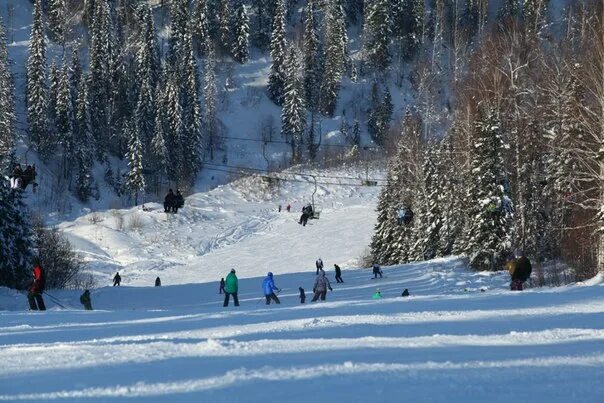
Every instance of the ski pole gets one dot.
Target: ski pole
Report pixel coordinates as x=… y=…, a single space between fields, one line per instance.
x=54 y=300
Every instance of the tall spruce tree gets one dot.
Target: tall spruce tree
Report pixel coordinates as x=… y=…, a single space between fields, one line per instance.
x=311 y=57
x=209 y=94
x=57 y=19
x=135 y=180
x=377 y=33
x=15 y=238
x=293 y=114
x=276 y=78
x=241 y=31
x=7 y=104
x=64 y=118
x=489 y=231
x=83 y=143
x=335 y=50
x=37 y=101
x=191 y=141
x=224 y=23
x=201 y=27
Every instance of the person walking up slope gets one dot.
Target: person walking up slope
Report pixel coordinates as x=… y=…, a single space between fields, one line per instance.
x=321 y=286
x=231 y=286
x=338 y=273
x=269 y=288
x=117 y=279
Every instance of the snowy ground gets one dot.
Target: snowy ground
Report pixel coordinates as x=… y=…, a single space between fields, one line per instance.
x=177 y=343
x=460 y=337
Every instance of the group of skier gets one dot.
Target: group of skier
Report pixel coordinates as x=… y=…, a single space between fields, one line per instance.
x=172 y=202
x=22 y=178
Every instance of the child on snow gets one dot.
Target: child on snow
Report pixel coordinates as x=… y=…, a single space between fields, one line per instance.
x=302 y=295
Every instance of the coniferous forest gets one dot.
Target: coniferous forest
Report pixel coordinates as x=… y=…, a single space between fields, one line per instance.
x=488 y=113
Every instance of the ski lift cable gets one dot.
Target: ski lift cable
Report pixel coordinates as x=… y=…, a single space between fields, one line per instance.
x=273 y=176
x=292 y=173
x=367 y=147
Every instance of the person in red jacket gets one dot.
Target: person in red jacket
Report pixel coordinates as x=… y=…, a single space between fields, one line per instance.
x=34 y=296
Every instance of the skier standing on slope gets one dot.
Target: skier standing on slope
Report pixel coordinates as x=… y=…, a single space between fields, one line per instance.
x=221 y=289
x=231 y=286
x=269 y=288
x=520 y=269
x=338 y=273
x=321 y=286
x=319 y=264
x=377 y=270
x=302 y=295
x=117 y=279
x=85 y=300
x=34 y=296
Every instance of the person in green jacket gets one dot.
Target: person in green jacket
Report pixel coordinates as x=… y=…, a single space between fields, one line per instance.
x=85 y=300
x=377 y=294
x=231 y=286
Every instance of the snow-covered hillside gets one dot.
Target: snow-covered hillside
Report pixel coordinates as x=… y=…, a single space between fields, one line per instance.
x=177 y=343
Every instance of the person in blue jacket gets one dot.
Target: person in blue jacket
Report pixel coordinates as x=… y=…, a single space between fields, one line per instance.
x=268 y=286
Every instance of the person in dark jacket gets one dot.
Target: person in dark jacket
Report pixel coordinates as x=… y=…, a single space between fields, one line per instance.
x=85 y=300
x=28 y=177
x=321 y=286
x=520 y=269
x=179 y=202
x=405 y=293
x=231 y=287
x=302 y=295
x=221 y=289
x=338 y=273
x=34 y=295
x=377 y=270
x=269 y=288
x=169 y=201
x=117 y=279
x=319 y=264
x=158 y=282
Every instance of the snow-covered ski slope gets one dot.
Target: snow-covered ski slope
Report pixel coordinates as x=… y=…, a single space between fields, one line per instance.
x=233 y=226
x=443 y=344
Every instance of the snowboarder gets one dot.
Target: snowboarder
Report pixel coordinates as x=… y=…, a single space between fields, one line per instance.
x=377 y=295
x=377 y=270
x=158 y=282
x=321 y=286
x=269 y=288
x=231 y=286
x=117 y=279
x=34 y=296
x=319 y=264
x=288 y=208
x=338 y=273
x=15 y=179
x=179 y=202
x=405 y=293
x=85 y=300
x=221 y=289
x=520 y=270
x=169 y=201
x=302 y=295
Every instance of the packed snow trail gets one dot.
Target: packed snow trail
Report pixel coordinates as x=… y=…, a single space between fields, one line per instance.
x=449 y=341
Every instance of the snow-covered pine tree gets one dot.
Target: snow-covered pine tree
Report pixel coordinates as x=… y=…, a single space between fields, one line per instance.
x=263 y=22
x=99 y=86
x=76 y=76
x=489 y=227
x=377 y=33
x=383 y=235
x=407 y=24
x=201 y=27
x=209 y=94
x=53 y=78
x=159 y=150
x=224 y=24
x=37 y=92
x=379 y=114
x=135 y=180
x=356 y=133
x=179 y=12
x=293 y=114
x=16 y=239
x=174 y=128
x=7 y=105
x=148 y=55
x=276 y=78
x=191 y=141
x=64 y=118
x=57 y=18
x=535 y=16
x=335 y=51
x=83 y=143
x=311 y=57
x=429 y=213
x=241 y=30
